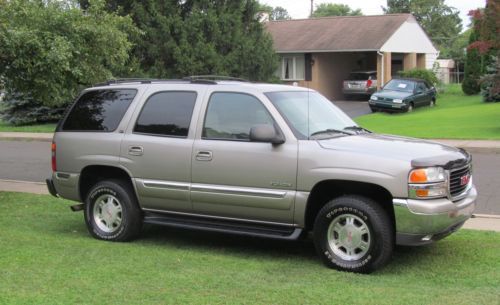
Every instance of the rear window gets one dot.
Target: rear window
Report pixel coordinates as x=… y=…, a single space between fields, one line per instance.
x=99 y=110
x=361 y=76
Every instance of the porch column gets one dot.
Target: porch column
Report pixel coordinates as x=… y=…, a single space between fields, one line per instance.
x=410 y=61
x=379 y=71
x=387 y=67
x=421 y=61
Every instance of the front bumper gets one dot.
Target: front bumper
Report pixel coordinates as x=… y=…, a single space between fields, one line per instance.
x=420 y=222
x=387 y=106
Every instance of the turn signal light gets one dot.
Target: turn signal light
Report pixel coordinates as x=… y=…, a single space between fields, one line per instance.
x=418 y=176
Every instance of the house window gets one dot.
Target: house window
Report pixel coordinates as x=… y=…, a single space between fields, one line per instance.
x=292 y=67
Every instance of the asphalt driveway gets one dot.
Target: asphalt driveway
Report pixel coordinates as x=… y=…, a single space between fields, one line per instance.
x=353 y=108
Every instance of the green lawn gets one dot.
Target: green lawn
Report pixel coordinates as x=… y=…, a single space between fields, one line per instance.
x=4 y=127
x=456 y=116
x=47 y=257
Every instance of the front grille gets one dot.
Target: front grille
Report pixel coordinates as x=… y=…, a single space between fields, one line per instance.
x=457 y=185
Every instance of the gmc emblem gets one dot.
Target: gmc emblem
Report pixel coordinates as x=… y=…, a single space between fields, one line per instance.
x=464 y=180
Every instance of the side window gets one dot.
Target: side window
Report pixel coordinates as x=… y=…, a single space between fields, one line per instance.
x=230 y=116
x=421 y=87
x=99 y=110
x=167 y=114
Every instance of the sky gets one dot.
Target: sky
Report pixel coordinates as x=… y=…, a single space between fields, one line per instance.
x=301 y=8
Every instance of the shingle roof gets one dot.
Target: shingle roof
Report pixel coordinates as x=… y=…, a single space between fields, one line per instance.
x=335 y=33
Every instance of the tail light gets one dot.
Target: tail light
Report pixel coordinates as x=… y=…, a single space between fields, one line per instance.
x=54 y=163
x=369 y=83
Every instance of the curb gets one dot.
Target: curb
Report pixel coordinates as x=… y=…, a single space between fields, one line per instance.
x=26 y=136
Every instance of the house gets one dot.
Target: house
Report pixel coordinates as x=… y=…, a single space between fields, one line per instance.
x=319 y=53
x=445 y=71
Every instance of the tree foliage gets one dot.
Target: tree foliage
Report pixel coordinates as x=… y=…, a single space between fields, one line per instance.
x=279 y=13
x=192 y=37
x=50 y=50
x=333 y=9
x=472 y=73
x=441 y=22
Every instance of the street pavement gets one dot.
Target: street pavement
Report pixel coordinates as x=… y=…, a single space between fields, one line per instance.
x=30 y=161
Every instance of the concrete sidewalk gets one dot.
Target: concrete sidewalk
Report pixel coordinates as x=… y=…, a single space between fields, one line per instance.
x=482 y=146
x=479 y=222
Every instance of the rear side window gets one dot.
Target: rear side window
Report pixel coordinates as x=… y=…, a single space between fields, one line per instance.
x=99 y=110
x=167 y=114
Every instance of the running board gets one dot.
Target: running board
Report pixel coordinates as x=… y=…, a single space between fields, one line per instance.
x=223 y=226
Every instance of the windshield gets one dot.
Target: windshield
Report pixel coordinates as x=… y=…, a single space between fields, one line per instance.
x=400 y=85
x=308 y=113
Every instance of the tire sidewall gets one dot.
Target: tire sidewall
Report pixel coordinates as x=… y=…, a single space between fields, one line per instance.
x=107 y=188
x=323 y=221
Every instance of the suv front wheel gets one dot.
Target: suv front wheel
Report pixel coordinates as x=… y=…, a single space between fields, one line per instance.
x=353 y=233
x=112 y=212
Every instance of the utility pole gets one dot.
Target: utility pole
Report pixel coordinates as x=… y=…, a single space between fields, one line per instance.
x=312 y=8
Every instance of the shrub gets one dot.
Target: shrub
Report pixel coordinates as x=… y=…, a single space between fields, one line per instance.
x=490 y=82
x=425 y=74
x=17 y=110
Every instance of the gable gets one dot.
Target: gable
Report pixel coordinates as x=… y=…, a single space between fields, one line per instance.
x=409 y=38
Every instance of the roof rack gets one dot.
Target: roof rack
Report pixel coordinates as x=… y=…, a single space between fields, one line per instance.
x=214 y=78
x=128 y=80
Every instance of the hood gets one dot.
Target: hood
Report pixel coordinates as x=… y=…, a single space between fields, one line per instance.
x=420 y=153
x=393 y=94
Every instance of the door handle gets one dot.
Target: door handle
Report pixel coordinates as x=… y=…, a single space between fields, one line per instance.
x=204 y=156
x=135 y=150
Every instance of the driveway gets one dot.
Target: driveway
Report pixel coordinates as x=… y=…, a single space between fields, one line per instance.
x=353 y=108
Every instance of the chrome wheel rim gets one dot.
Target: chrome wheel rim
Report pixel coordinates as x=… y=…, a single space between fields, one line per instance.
x=410 y=108
x=108 y=213
x=433 y=103
x=349 y=237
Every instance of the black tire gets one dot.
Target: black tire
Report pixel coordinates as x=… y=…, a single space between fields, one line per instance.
x=432 y=103
x=129 y=215
x=373 y=109
x=380 y=235
x=410 y=107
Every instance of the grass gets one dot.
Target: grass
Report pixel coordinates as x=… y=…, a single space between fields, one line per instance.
x=4 y=127
x=456 y=116
x=47 y=257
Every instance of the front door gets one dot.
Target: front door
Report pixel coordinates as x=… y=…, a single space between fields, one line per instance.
x=233 y=177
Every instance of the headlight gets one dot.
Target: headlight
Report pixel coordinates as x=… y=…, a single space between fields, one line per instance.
x=426 y=183
x=397 y=101
x=374 y=98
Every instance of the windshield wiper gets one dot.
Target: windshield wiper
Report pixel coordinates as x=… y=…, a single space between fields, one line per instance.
x=331 y=131
x=357 y=128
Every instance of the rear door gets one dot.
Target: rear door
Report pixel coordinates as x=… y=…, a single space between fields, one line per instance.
x=233 y=177
x=157 y=147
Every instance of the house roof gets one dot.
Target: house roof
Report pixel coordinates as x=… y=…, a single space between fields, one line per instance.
x=346 y=33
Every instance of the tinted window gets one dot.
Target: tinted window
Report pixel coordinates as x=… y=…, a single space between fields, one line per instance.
x=99 y=110
x=232 y=115
x=359 y=76
x=167 y=114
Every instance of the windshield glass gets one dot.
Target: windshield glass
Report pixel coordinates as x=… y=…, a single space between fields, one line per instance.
x=400 y=85
x=309 y=112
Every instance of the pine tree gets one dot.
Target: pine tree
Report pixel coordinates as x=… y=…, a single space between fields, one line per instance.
x=473 y=67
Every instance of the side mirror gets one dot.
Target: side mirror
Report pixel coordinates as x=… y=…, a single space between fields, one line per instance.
x=265 y=133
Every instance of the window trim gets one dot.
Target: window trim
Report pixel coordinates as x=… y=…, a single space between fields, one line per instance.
x=164 y=135
x=294 y=65
x=276 y=126
x=60 y=125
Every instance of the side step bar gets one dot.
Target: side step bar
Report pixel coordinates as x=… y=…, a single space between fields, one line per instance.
x=223 y=226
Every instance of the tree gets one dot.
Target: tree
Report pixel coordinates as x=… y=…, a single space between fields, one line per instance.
x=191 y=37
x=440 y=21
x=470 y=84
x=279 y=13
x=50 y=50
x=331 y=9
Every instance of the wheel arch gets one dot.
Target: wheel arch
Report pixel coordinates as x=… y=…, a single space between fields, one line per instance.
x=92 y=174
x=326 y=190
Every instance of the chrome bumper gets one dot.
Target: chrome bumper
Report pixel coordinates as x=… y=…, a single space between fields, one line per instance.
x=421 y=222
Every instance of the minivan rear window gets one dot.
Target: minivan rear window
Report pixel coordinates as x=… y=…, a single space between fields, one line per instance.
x=99 y=110
x=361 y=76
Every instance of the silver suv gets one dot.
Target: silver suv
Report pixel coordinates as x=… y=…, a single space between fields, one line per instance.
x=262 y=160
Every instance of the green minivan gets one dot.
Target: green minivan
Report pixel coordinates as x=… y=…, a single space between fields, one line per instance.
x=403 y=95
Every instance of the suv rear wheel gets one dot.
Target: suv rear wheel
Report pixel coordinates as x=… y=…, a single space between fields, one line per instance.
x=112 y=212
x=353 y=233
